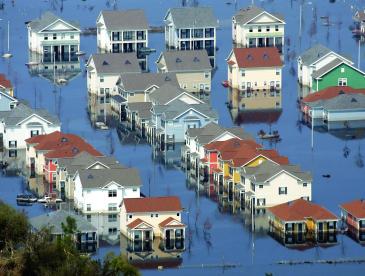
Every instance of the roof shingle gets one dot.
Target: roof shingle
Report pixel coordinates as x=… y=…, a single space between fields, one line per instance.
x=257 y=57
x=152 y=204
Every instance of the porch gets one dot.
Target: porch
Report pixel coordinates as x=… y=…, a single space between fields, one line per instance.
x=139 y=230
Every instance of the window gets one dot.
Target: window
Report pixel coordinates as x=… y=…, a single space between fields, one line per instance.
x=128 y=35
x=88 y=218
x=135 y=189
x=277 y=71
x=112 y=193
x=250 y=29
x=206 y=75
x=243 y=73
x=130 y=216
x=342 y=82
x=88 y=207
x=115 y=36
x=34 y=133
x=209 y=32
x=305 y=184
x=283 y=190
x=54 y=176
x=268 y=28
x=54 y=36
x=178 y=214
x=72 y=36
x=101 y=91
x=185 y=33
x=151 y=215
x=198 y=33
x=261 y=186
x=276 y=28
x=343 y=70
x=140 y=35
x=46 y=37
x=112 y=207
x=101 y=100
x=102 y=79
x=112 y=231
x=62 y=36
x=13 y=144
x=112 y=217
x=259 y=29
x=13 y=153
x=156 y=215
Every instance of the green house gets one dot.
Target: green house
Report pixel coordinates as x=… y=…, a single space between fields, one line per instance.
x=337 y=73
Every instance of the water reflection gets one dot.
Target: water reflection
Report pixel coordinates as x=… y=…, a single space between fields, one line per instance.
x=254 y=106
x=357 y=235
x=153 y=254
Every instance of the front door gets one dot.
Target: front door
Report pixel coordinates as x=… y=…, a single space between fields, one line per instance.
x=147 y=235
x=168 y=234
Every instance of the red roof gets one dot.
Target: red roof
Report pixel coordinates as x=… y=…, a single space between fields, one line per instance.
x=152 y=204
x=231 y=144
x=257 y=57
x=168 y=220
x=4 y=82
x=332 y=92
x=299 y=210
x=135 y=223
x=61 y=145
x=356 y=208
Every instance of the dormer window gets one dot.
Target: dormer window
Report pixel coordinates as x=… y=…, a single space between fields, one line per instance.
x=178 y=60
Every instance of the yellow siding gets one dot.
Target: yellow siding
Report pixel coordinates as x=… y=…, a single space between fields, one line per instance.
x=257 y=161
x=225 y=169
x=310 y=224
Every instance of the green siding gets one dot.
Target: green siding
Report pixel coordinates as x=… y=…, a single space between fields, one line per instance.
x=355 y=79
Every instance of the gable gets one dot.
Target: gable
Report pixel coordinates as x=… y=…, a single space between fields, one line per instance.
x=348 y=70
x=191 y=112
x=256 y=161
x=265 y=17
x=34 y=119
x=112 y=185
x=282 y=174
x=186 y=98
x=224 y=136
x=60 y=25
x=322 y=61
x=97 y=166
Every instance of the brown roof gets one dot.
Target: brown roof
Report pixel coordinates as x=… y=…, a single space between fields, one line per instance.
x=299 y=210
x=258 y=116
x=332 y=92
x=231 y=144
x=356 y=208
x=164 y=223
x=257 y=57
x=61 y=145
x=135 y=223
x=4 y=82
x=152 y=204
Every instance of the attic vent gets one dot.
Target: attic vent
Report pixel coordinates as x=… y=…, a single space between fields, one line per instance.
x=75 y=150
x=265 y=56
x=178 y=60
x=196 y=59
x=341 y=92
x=64 y=140
x=353 y=100
x=236 y=144
x=167 y=78
x=127 y=62
x=249 y=57
x=105 y=63
x=90 y=176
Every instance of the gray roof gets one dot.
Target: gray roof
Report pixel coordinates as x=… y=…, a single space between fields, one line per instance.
x=46 y=19
x=116 y=63
x=212 y=130
x=341 y=102
x=314 y=53
x=193 y=60
x=177 y=107
x=166 y=93
x=328 y=67
x=268 y=169
x=84 y=160
x=125 y=20
x=193 y=17
x=99 y=178
x=142 y=108
x=140 y=82
x=244 y=16
x=54 y=220
x=23 y=111
x=119 y=99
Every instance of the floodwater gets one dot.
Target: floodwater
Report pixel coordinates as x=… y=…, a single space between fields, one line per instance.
x=228 y=239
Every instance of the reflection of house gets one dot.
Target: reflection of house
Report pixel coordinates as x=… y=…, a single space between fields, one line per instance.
x=191 y=28
x=54 y=38
x=336 y=107
x=254 y=27
x=86 y=236
x=5 y=86
x=150 y=217
x=67 y=168
x=313 y=59
x=22 y=122
x=43 y=152
x=192 y=68
x=359 y=17
x=123 y=32
x=353 y=213
x=255 y=69
x=153 y=254
x=301 y=216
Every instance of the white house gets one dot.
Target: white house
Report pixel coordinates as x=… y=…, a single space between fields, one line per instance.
x=23 y=122
x=123 y=32
x=314 y=59
x=255 y=27
x=146 y=218
x=191 y=28
x=54 y=38
x=270 y=184
x=255 y=69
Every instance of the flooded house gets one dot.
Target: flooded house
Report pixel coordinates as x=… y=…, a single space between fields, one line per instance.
x=6 y=86
x=191 y=28
x=43 y=152
x=255 y=70
x=86 y=237
x=20 y=122
x=99 y=192
x=148 y=218
x=353 y=214
x=313 y=60
x=69 y=166
x=123 y=32
x=359 y=18
x=192 y=68
x=54 y=38
x=302 y=216
x=138 y=115
x=337 y=107
x=255 y=27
